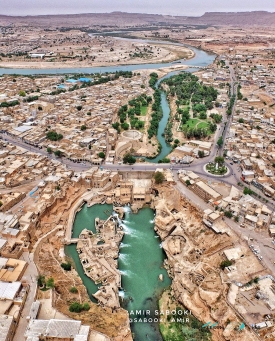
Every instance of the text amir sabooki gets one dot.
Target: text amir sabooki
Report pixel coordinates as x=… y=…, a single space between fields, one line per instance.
x=159 y=316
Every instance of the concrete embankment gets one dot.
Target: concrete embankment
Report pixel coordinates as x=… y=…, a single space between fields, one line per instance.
x=85 y=198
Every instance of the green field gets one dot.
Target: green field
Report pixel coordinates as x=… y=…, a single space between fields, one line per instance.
x=144 y=110
x=196 y=123
x=202 y=125
x=191 y=123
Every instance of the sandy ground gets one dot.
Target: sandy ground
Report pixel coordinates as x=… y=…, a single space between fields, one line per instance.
x=167 y=53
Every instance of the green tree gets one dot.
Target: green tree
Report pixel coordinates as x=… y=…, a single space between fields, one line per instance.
x=116 y=126
x=49 y=150
x=125 y=126
x=54 y=136
x=247 y=191
x=66 y=266
x=58 y=153
x=83 y=127
x=241 y=120
x=220 y=142
x=159 y=177
x=101 y=155
x=224 y=264
x=188 y=183
x=79 y=107
x=41 y=281
x=201 y=153
x=50 y=283
x=128 y=158
x=228 y=214
x=219 y=160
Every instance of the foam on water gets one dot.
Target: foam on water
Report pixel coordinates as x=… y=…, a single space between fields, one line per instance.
x=121 y=293
x=127 y=273
x=122 y=245
x=128 y=230
x=123 y=258
x=127 y=209
x=124 y=221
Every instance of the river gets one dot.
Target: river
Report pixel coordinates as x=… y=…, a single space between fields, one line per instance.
x=200 y=59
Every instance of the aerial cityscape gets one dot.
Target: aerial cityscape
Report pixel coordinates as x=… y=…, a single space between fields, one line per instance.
x=137 y=172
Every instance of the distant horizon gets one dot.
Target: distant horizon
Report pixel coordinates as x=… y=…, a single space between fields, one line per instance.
x=125 y=12
x=159 y=7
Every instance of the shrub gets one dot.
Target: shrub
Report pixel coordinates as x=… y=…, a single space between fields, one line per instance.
x=50 y=283
x=224 y=264
x=86 y=306
x=247 y=191
x=66 y=266
x=75 y=307
x=101 y=155
x=228 y=214
x=41 y=280
x=73 y=290
x=159 y=177
x=188 y=183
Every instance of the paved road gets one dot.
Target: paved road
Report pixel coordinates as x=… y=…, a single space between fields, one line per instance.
x=30 y=275
x=78 y=167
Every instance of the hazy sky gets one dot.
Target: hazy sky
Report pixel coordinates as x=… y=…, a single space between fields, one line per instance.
x=172 y=7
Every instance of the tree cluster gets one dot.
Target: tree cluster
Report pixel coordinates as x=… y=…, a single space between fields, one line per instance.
x=76 y=307
x=128 y=158
x=54 y=136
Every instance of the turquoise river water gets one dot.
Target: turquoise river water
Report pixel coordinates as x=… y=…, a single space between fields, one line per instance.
x=140 y=262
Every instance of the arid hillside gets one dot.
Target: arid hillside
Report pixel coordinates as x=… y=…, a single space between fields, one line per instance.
x=121 y=19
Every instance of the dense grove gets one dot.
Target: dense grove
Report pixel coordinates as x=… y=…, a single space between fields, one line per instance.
x=156 y=115
x=128 y=113
x=192 y=95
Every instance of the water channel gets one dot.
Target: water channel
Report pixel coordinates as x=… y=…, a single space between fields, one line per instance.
x=140 y=262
